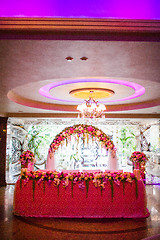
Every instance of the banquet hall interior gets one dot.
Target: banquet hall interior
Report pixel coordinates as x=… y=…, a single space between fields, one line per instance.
x=57 y=59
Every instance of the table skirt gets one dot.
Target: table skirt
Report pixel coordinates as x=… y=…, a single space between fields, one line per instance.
x=50 y=201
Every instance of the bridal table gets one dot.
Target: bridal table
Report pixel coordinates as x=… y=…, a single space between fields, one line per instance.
x=74 y=202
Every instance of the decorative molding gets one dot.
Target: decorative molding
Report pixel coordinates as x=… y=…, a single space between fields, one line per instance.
x=79 y=24
x=75 y=115
x=73 y=108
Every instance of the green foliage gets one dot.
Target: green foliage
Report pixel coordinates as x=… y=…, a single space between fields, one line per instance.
x=75 y=157
x=127 y=140
x=112 y=189
x=33 y=187
x=87 y=186
x=38 y=138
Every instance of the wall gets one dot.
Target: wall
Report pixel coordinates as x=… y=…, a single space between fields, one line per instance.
x=3 y=134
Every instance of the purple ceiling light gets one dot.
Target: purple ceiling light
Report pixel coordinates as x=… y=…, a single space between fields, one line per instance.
x=113 y=9
x=139 y=90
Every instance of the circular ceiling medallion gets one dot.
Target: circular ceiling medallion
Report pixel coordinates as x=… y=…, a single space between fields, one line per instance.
x=138 y=89
x=96 y=93
x=62 y=101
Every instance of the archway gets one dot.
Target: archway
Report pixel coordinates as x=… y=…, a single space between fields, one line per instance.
x=86 y=132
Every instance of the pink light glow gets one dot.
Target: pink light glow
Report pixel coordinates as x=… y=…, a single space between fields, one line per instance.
x=139 y=90
x=118 y=9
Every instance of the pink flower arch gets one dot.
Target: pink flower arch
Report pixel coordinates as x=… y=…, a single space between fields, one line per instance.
x=82 y=130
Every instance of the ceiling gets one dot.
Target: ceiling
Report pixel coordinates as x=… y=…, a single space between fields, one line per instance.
x=114 y=9
x=28 y=65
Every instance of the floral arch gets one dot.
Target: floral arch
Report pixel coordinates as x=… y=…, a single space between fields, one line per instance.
x=85 y=131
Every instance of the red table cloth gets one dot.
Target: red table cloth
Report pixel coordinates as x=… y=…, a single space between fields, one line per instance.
x=76 y=203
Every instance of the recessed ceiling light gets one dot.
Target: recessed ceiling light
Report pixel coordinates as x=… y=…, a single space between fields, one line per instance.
x=69 y=58
x=84 y=58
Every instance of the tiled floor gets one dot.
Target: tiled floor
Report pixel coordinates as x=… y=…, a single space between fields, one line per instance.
x=17 y=228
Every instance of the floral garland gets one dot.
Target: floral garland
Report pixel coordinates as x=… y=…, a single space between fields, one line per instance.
x=138 y=157
x=84 y=131
x=99 y=179
x=26 y=158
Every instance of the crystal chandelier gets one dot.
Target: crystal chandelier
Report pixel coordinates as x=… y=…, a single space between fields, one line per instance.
x=91 y=109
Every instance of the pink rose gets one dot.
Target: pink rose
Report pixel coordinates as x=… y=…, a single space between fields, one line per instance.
x=90 y=129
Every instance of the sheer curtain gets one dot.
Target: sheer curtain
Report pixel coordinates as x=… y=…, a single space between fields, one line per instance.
x=50 y=165
x=112 y=162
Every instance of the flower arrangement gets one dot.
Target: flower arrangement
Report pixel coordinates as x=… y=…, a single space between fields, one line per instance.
x=139 y=160
x=99 y=179
x=26 y=158
x=85 y=131
x=138 y=157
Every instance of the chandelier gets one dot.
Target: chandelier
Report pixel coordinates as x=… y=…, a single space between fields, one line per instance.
x=91 y=109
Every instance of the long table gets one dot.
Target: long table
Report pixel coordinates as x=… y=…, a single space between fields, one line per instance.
x=50 y=201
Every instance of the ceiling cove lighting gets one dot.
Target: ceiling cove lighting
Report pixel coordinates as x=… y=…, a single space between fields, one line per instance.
x=138 y=89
